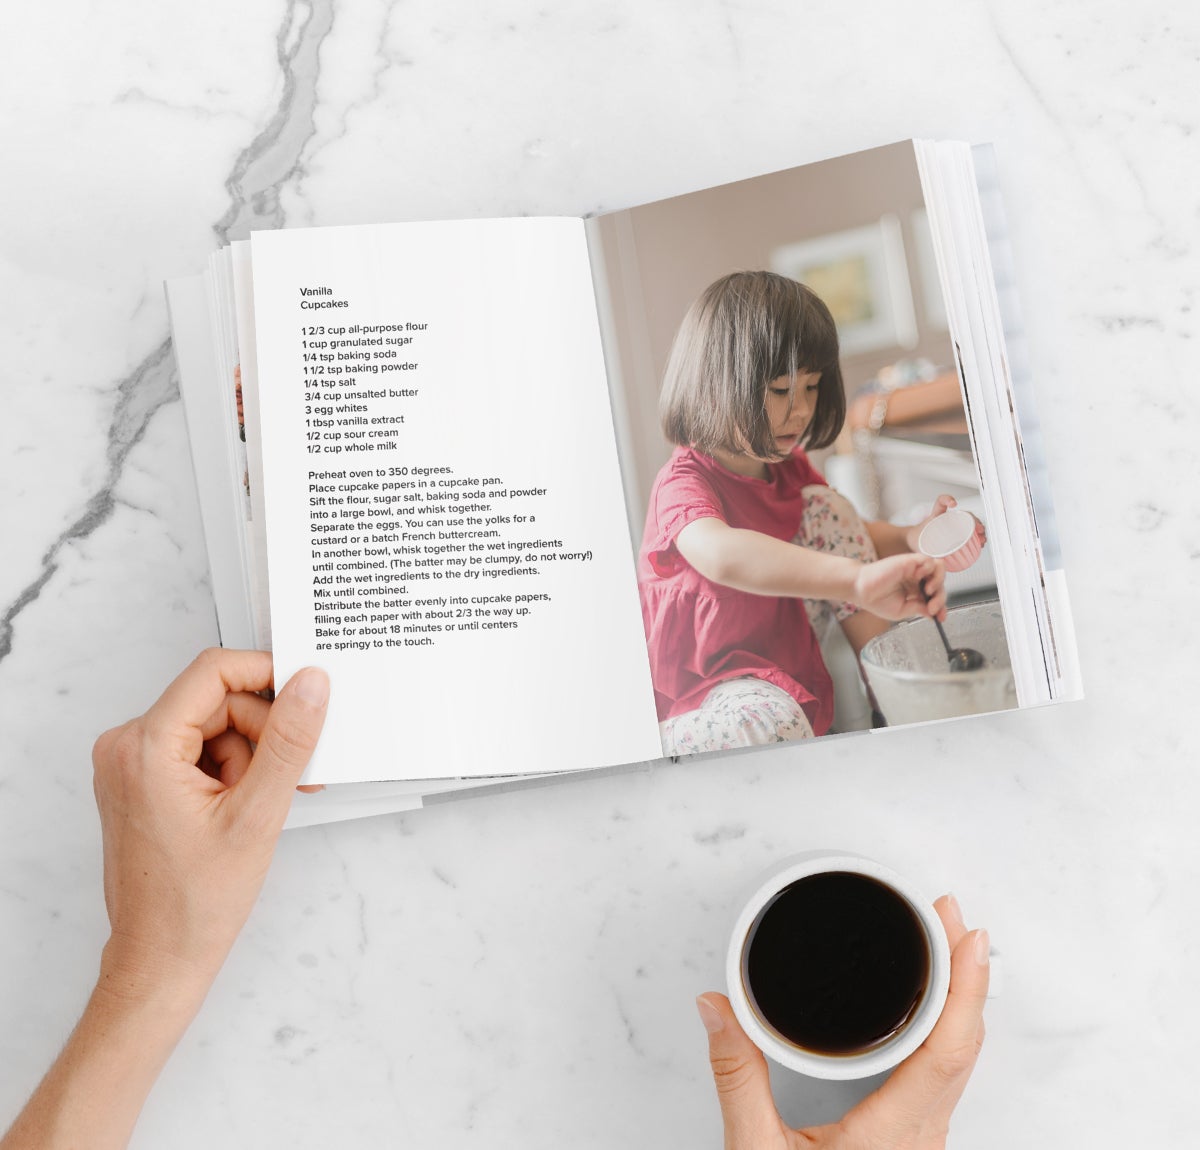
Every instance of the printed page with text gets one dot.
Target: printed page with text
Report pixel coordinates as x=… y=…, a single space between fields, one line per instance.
x=446 y=528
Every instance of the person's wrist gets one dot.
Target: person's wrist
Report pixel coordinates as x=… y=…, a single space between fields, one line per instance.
x=135 y=977
x=137 y=1023
x=849 y=589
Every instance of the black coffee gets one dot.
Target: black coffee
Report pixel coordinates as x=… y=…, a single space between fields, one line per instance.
x=836 y=963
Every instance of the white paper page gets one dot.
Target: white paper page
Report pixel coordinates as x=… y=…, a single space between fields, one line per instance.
x=1007 y=534
x=256 y=536
x=213 y=462
x=446 y=529
x=221 y=302
x=1061 y=654
x=330 y=805
x=345 y=800
x=335 y=811
x=363 y=800
x=990 y=344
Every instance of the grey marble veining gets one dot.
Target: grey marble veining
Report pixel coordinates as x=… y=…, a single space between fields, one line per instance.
x=272 y=159
x=139 y=395
x=520 y=969
x=275 y=157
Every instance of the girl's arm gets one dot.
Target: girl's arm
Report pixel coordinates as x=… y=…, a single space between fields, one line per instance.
x=890 y=539
x=893 y=588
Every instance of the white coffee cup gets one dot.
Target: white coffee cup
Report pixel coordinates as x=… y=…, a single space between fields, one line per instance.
x=841 y=1067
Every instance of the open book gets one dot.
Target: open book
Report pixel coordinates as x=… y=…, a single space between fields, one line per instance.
x=426 y=453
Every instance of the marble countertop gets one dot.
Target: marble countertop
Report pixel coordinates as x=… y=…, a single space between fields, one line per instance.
x=520 y=969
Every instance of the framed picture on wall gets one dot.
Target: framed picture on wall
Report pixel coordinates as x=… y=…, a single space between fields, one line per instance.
x=862 y=275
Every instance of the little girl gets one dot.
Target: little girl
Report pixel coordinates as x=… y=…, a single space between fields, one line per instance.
x=742 y=529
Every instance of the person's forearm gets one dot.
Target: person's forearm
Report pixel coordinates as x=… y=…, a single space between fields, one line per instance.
x=889 y=539
x=92 y=1095
x=910 y=404
x=749 y=561
x=185 y=854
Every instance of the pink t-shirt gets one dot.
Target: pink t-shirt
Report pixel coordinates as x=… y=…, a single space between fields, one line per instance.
x=700 y=633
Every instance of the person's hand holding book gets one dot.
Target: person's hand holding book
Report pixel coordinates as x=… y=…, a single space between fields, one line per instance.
x=192 y=797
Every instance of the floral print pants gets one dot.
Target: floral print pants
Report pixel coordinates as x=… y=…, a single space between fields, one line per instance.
x=750 y=712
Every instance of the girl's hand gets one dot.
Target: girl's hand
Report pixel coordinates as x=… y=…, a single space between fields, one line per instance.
x=902 y=587
x=941 y=504
x=961 y=559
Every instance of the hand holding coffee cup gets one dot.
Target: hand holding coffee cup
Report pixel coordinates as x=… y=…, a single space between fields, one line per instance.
x=935 y=1037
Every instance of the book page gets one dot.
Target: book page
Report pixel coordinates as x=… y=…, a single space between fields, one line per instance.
x=445 y=520
x=247 y=374
x=707 y=298
x=214 y=459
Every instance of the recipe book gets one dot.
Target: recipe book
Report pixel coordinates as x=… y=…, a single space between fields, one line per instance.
x=424 y=451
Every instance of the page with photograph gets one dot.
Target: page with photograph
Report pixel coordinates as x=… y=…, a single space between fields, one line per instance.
x=782 y=366
x=444 y=512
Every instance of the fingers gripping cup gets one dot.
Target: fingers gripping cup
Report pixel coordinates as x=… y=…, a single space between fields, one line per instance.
x=838 y=967
x=952 y=538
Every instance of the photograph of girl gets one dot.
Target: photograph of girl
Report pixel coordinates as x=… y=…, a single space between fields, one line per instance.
x=747 y=552
x=790 y=420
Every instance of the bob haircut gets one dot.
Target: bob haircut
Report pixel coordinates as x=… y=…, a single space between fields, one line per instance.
x=744 y=331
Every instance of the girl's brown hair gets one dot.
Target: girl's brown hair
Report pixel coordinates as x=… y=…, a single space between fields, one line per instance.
x=744 y=331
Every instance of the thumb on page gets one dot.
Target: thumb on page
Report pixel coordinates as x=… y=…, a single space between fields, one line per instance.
x=288 y=740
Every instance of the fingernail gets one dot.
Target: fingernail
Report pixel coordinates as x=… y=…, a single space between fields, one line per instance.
x=954 y=909
x=311 y=686
x=982 y=948
x=710 y=1016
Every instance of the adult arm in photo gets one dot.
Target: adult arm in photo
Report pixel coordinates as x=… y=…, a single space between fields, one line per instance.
x=911 y=403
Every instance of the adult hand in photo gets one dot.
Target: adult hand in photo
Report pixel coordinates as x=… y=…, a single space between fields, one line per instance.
x=192 y=797
x=910 y=1111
